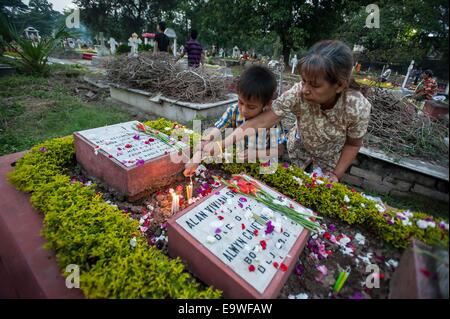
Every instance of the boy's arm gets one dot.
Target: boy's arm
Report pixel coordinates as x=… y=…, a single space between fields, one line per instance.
x=222 y=123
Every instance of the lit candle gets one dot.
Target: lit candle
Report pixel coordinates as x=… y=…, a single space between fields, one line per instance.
x=189 y=192
x=175 y=202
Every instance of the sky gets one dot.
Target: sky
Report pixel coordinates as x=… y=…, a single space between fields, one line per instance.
x=58 y=5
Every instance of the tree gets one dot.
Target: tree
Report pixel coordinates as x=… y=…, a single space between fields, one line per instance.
x=41 y=16
x=120 y=18
x=409 y=29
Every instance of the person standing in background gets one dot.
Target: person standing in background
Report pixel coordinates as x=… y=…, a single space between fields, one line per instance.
x=161 y=40
x=194 y=51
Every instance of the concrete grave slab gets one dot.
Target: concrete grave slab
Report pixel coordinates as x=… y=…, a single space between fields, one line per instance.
x=131 y=162
x=219 y=241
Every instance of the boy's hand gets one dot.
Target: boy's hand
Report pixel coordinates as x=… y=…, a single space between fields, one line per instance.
x=190 y=168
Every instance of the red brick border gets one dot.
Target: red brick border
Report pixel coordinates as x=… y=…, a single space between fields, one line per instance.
x=27 y=270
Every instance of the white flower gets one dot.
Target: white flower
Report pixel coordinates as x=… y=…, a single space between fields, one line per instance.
x=257 y=248
x=160 y=237
x=133 y=242
x=406 y=222
x=380 y=208
x=210 y=239
x=360 y=239
x=167 y=128
x=248 y=215
x=200 y=170
x=299 y=296
x=320 y=182
x=392 y=263
x=298 y=180
x=216 y=224
x=346 y=199
x=366 y=259
x=277 y=226
x=363 y=205
x=347 y=251
x=408 y=214
x=422 y=224
x=344 y=240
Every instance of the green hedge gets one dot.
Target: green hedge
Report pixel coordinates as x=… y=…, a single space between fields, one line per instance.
x=328 y=200
x=82 y=229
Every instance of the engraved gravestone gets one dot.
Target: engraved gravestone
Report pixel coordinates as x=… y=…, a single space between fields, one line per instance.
x=226 y=242
x=128 y=160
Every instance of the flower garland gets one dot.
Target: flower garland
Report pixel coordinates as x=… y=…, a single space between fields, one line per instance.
x=247 y=187
x=157 y=135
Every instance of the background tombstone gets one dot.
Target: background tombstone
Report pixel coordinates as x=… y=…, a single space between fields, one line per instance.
x=130 y=162
x=134 y=42
x=71 y=42
x=410 y=67
x=102 y=49
x=172 y=35
x=112 y=45
x=225 y=248
x=294 y=63
x=236 y=53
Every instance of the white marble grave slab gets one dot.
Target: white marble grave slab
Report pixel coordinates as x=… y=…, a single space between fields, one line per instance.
x=238 y=247
x=126 y=145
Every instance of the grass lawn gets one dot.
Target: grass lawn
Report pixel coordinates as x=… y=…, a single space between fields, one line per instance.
x=33 y=109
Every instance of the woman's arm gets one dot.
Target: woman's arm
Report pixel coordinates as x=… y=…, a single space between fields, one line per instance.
x=349 y=153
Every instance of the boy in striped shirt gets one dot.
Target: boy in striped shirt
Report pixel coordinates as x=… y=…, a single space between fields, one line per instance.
x=256 y=89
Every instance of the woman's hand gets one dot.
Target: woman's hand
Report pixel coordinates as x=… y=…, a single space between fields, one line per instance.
x=332 y=177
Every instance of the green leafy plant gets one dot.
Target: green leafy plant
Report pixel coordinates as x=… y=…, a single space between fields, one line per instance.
x=123 y=48
x=33 y=54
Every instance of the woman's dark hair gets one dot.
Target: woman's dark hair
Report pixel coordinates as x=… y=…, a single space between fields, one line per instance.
x=428 y=72
x=257 y=82
x=194 y=34
x=330 y=59
x=162 y=26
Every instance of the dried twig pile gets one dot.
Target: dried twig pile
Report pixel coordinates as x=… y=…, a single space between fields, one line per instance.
x=159 y=74
x=397 y=128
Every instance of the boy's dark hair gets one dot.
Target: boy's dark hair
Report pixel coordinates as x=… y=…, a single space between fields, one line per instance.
x=162 y=26
x=194 y=34
x=257 y=82
x=428 y=72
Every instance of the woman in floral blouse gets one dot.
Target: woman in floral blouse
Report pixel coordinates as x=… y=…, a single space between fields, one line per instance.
x=332 y=115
